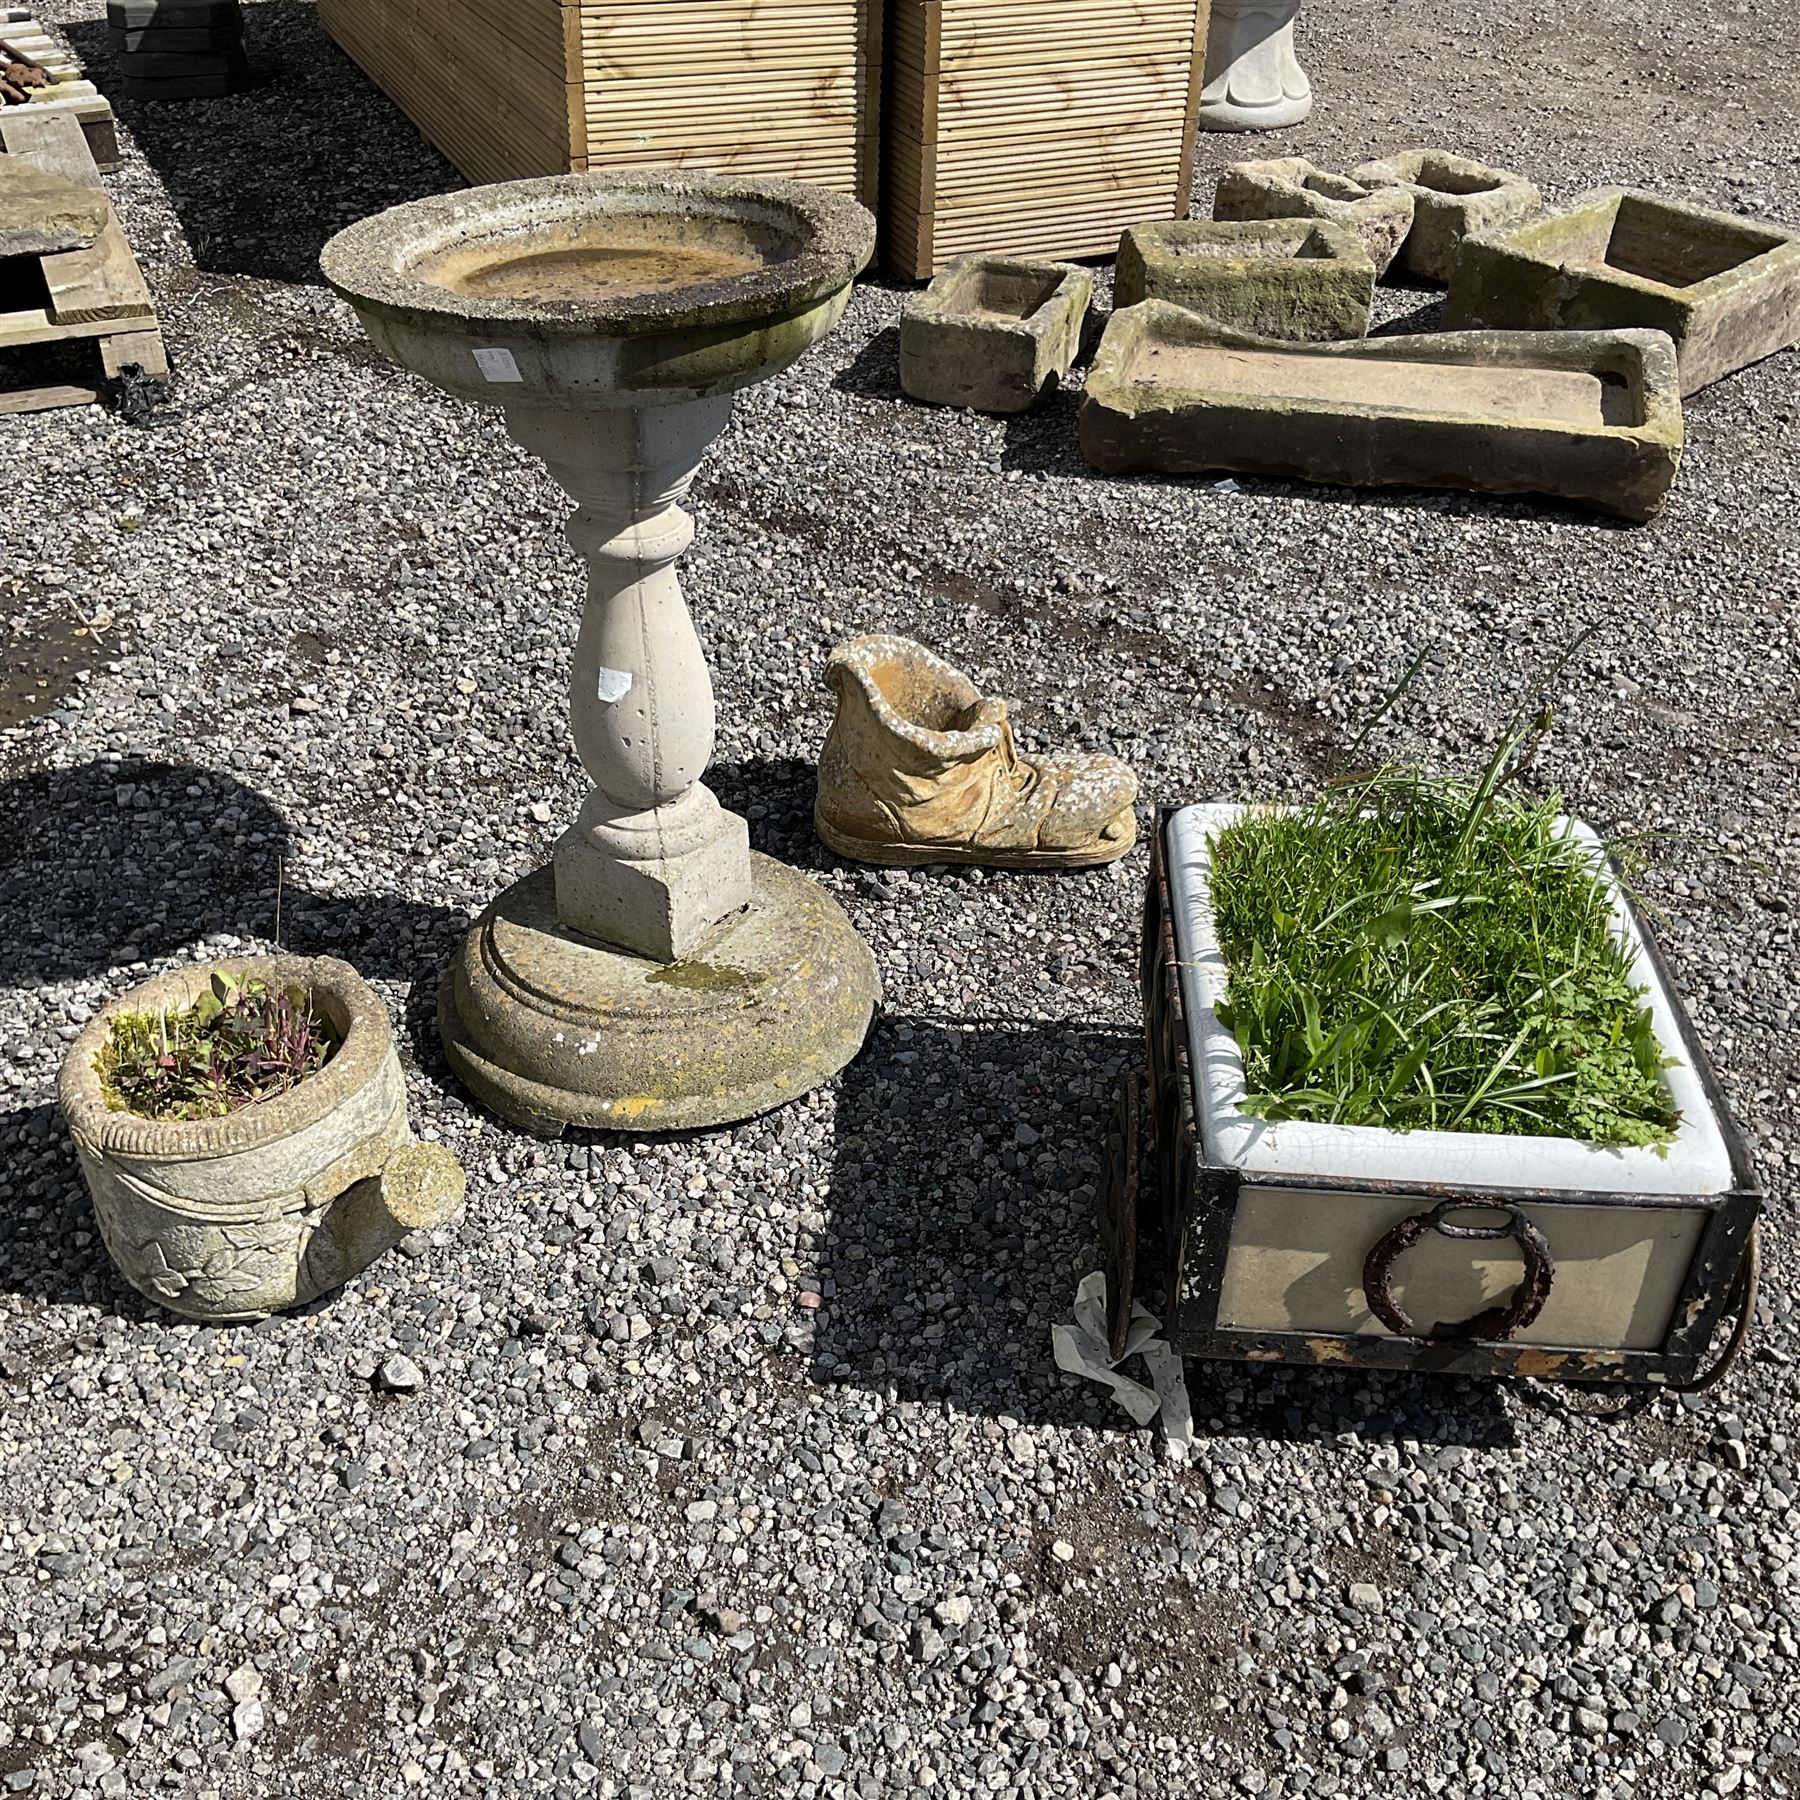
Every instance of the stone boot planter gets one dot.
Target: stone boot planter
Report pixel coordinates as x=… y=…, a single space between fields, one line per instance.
x=1254 y=81
x=920 y=767
x=235 y=1218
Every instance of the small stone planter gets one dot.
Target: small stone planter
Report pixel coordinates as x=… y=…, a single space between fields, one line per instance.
x=1300 y=280
x=992 y=332
x=1453 y=198
x=235 y=1218
x=1290 y=187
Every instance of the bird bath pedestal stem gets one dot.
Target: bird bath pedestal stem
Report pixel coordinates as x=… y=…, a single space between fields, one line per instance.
x=653 y=862
x=658 y=974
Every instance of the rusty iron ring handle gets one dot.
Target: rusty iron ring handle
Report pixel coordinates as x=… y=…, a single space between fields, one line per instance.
x=1497 y=1323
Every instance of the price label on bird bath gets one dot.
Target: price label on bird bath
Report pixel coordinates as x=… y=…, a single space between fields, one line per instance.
x=615 y=684
x=498 y=365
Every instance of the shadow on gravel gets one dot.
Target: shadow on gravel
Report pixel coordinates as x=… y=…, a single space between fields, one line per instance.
x=109 y=863
x=776 y=796
x=961 y=1212
x=875 y=374
x=962 y=1216
x=260 y=180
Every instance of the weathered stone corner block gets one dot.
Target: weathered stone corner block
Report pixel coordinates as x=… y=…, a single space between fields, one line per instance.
x=991 y=332
x=1726 y=289
x=1296 y=279
x=1453 y=198
x=1290 y=187
x=1592 y=416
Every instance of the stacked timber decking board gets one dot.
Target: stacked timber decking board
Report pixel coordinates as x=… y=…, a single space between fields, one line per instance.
x=1037 y=127
x=510 y=88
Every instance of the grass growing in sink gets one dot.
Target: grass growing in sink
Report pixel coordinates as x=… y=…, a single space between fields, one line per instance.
x=1415 y=952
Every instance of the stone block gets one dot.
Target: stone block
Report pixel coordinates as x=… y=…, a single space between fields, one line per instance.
x=656 y=908
x=1298 y=279
x=1592 y=416
x=1453 y=198
x=1290 y=187
x=1725 y=288
x=991 y=332
x=43 y=214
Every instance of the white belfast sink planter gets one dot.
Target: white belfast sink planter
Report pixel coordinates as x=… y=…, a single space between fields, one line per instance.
x=1290 y=1241
x=1696 y=1163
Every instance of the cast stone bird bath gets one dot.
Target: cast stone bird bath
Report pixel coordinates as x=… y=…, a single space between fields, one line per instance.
x=657 y=974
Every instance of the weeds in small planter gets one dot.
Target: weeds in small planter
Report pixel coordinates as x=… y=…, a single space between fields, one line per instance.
x=239 y=1043
x=1411 y=951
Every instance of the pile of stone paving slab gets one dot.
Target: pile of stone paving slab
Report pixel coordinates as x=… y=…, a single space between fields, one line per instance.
x=1240 y=343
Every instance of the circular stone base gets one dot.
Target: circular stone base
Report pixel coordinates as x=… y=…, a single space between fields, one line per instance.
x=550 y=1029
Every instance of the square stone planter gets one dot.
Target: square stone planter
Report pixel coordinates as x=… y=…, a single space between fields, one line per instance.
x=1356 y=1246
x=1585 y=415
x=1726 y=289
x=1295 y=279
x=1454 y=198
x=992 y=332
x=1290 y=187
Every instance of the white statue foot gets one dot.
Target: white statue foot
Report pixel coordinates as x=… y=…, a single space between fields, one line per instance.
x=1254 y=81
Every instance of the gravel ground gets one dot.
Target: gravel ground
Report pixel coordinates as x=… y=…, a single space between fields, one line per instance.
x=737 y=1463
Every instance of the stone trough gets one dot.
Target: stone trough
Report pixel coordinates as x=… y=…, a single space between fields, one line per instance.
x=1726 y=289
x=1587 y=416
x=992 y=332
x=1299 y=279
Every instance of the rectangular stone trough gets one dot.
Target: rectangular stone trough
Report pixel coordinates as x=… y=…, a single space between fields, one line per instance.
x=1305 y=280
x=991 y=332
x=1586 y=416
x=1726 y=289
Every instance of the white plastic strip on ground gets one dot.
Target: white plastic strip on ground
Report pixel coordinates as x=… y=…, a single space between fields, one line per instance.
x=1081 y=1348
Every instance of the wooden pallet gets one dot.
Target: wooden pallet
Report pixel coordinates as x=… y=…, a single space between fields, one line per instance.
x=1022 y=128
x=23 y=39
x=510 y=88
x=97 y=294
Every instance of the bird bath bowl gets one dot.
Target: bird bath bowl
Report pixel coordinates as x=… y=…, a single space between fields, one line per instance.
x=657 y=975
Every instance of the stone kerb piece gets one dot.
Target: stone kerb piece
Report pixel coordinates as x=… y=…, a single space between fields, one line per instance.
x=1254 y=81
x=271 y=1206
x=992 y=332
x=1726 y=289
x=1454 y=198
x=1290 y=187
x=1592 y=416
x=1297 y=279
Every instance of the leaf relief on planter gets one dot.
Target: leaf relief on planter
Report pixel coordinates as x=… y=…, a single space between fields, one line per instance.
x=240 y=1042
x=1415 y=952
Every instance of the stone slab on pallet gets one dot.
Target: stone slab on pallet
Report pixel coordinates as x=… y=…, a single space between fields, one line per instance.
x=1020 y=129
x=23 y=39
x=992 y=332
x=1590 y=416
x=43 y=212
x=1290 y=187
x=1297 y=279
x=95 y=293
x=1454 y=198
x=1726 y=289
x=513 y=88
